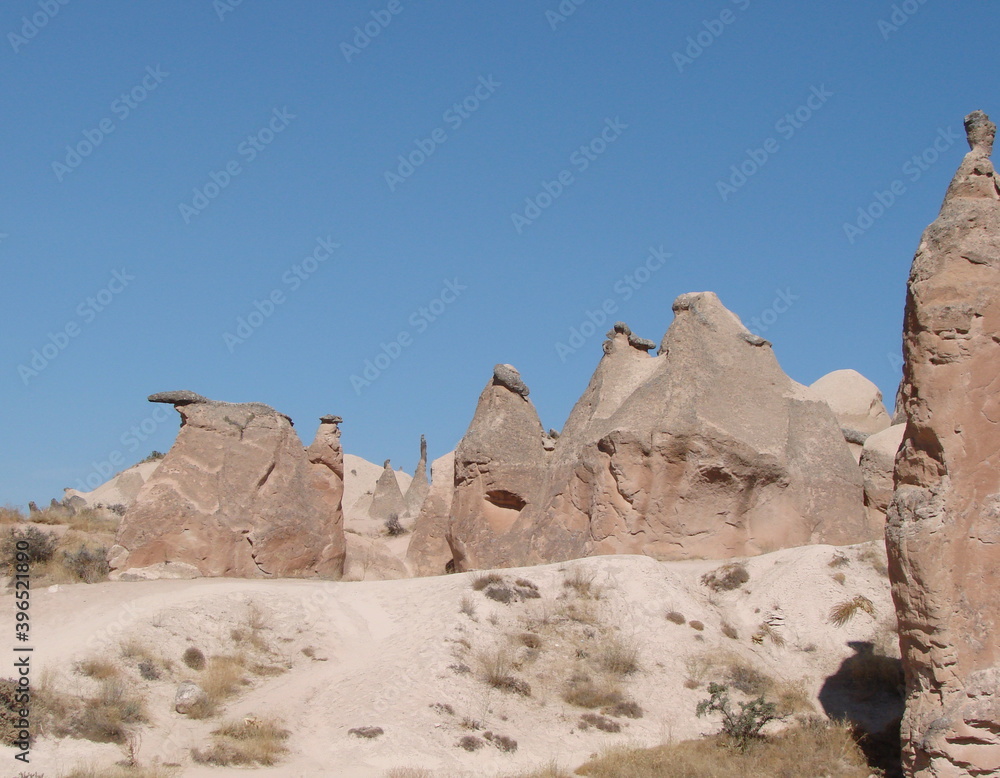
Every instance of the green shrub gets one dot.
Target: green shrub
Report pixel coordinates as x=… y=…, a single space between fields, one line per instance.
x=89 y=565
x=743 y=727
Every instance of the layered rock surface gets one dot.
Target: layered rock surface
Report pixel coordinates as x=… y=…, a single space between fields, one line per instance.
x=238 y=495
x=428 y=552
x=707 y=450
x=943 y=530
x=388 y=498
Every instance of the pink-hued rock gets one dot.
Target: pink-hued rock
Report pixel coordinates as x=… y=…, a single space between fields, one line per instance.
x=708 y=450
x=428 y=552
x=500 y=469
x=417 y=491
x=388 y=498
x=237 y=495
x=943 y=530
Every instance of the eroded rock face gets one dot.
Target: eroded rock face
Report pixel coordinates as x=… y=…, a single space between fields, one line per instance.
x=857 y=404
x=943 y=530
x=388 y=499
x=500 y=469
x=417 y=491
x=428 y=552
x=878 y=460
x=237 y=495
x=708 y=450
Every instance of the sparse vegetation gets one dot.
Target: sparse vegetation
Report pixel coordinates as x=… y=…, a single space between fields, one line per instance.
x=470 y=743
x=506 y=744
x=116 y=771
x=676 y=617
x=193 y=658
x=726 y=578
x=251 y=741
x=468 y=607
x=41 y=546
x=766 y=630
x=839 y=578
x=843 y=612
x=730 y=631
x=368 y=733
x=496 y=667
x=480 y=582
x=618 y=657
x=392 y=526
x=588 y=720
x=809 y=750
x=839 y=560
x=154 y=456
x=873 y=554
x=696 y=625
x=628 y=709
x=88 y=564
x=108 y=717
x=94 y=667
x=586 y=691
x=9 y=711
x=743 y=727
x=583 y=583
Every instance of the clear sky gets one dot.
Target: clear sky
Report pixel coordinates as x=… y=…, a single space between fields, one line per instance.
x=256 y=200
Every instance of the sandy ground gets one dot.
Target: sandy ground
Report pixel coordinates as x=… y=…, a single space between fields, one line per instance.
x=384 y=652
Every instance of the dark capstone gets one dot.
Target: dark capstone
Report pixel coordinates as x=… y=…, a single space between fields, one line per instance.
x=508 y=377
x=330 y=419
x=644 y=344
x=754 y=340
x=980 y=131
x=854 y=436
x=179 y=397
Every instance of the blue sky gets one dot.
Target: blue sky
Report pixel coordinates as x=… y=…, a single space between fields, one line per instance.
x=463 y=184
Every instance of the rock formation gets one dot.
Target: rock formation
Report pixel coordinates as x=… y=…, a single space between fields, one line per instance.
x=121 y=489
x=943 y=530
x=428 y=552
x=707 y=450
x=418 y=489
x=878 y=460
x=857 y=404
x=237 y=495
x=500 y=469
x=388 y=499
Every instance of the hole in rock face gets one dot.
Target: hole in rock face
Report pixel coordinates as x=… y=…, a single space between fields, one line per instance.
x=504 y=499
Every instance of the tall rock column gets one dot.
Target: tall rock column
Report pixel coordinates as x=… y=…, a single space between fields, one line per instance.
x=943 y=530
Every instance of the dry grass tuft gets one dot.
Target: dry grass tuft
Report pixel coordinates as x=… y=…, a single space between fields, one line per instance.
x=586 y=691
x=107 y=718
x=843 y=612
x=596 y=721
x=730 y=631
x=874 y=554
x=248 y=742
x=119 y=771
x=806 y=751
x=468 y=607
x=98 y=669
x=496 y=668
x=583 y=583
x=618 y=657
x=407 y=772
x=839 y=560
x=726 y=578
x=676 y=617
x=480 y=582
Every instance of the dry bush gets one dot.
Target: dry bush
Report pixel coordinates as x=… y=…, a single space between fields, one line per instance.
x=368 y=733
x=676 y=617
x=551 y=770
x=585 y=612
x=468 y=607
x=86 y=562
x=496 y=667
x=839 y=578
x=10 y=514
x=805 y=751
x=586 y=691
x=10 y=709
x=530 y=640
x=193 y=658
x=483 y=580
x=726 y=578
x=248 y=742
x=110 y=716
x=470 y=743
x=839 y=560
x=119 y=771
x=628 y=709
x=843 y=612
x=392 y=526
x=874 y=554
x=503 y=743
x=696 y=625
x=765 y=630
x=583 y=583
x=223 y=676
x=407 y=772
x=96 y=668
x=747 y=679
x=729 y=631
x=41 y=546
x=617 y=656
x=596 y=721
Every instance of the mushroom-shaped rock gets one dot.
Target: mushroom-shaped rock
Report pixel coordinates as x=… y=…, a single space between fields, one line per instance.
x=508 y=377
x=237 y=495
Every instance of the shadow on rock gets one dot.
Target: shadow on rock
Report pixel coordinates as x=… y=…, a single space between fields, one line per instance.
x=868 y=691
